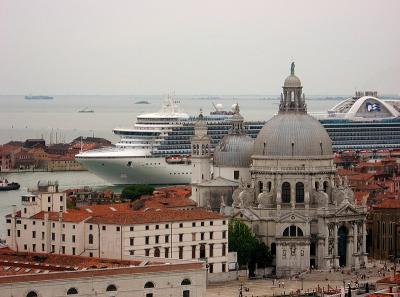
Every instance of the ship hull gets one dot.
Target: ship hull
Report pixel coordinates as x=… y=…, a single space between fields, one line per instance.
x=137 y=170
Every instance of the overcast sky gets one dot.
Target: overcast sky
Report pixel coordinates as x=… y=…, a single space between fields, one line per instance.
x=197 y=47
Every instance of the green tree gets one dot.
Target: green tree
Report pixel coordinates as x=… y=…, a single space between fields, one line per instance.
x=249 y=249
x=133 y=192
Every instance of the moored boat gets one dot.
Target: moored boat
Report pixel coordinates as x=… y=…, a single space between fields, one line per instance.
x=7 y=186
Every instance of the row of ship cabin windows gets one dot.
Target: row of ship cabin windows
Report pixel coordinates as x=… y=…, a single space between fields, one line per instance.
x=113 y=288
x=286 y=190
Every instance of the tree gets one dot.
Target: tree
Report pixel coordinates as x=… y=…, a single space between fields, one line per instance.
x=133 y=192
x=249 y=249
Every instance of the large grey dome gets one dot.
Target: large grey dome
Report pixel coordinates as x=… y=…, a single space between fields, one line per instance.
x=293 y=134
x=234 y=150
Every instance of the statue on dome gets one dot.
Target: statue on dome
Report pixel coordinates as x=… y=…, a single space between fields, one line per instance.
x=292 y=68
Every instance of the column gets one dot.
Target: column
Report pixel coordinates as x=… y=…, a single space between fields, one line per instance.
x=278 y=192
x=293 y=194
x=336 y=252
x=326 y=248
x=364 y=244
x=355 y=240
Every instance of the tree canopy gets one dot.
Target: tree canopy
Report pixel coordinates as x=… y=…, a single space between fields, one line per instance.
x=133 y=192
x=249 y=249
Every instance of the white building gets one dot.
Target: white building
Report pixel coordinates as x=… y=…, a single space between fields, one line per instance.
x=33 y=275
x=117 y=231
x=291 y=196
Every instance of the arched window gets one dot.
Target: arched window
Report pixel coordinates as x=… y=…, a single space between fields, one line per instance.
x=32 y=294
x=269 y=185
x=186 y=282
x=149 y=285
x=299 y=192
x=156 y=252
x=285 y=192
x=260 y=186
x=326 y=185
x=90 y=238
x=293 y=231
x=111 y=288
x=316 y=185
x=72 y=291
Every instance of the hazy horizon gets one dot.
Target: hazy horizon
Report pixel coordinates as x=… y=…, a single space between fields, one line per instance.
x=131 y=47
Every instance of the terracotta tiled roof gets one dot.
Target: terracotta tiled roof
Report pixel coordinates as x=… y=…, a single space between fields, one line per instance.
x=388 y=203
x=155 y=216
x=23 y=267
x=345 y=172
x=361 y=177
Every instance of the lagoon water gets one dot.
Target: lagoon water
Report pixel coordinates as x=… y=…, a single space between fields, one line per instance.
x=60 y=120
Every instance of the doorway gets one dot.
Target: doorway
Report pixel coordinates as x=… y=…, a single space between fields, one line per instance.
x=342 y=245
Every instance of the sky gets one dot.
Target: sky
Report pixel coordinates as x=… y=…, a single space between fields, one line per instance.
x=198 y=47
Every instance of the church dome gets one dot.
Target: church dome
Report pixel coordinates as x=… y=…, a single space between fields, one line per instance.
x=293 y=134
x=292 y=81
x=234 y=150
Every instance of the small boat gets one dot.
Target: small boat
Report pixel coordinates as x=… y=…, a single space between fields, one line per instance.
x=7 y=186
x=30 y=97
x=142 y=102
x=86 y=109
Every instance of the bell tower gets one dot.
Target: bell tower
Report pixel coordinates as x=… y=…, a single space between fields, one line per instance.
x=201 y=167
x=292 y=99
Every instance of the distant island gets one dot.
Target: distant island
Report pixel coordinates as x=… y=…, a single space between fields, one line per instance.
x=142 y=102
x=38 y=98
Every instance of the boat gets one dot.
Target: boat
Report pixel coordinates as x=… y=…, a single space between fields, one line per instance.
x=86 y=110
x=39 y=97
x=142 y=102
x=7 y=186
x=157 y=149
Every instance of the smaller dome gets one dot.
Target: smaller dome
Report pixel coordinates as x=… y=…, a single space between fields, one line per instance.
x=292 y=81
x=234 y=150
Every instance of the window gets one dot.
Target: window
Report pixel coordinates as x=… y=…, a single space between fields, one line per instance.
x=202 y=251
x=166 y=238
x=236 y=174
x=72 y=291
x=211 y=251
x=326 y=185
x=24 y=227
x=202 y=224
x=54 y=225
x=299 y=192
x=181 y=225
x=118 y=229
x=73 y=238
x=90 y=227
x=223 y=267
x=211 y=268
x=73 y=251
x=90 y=255
x=63 y=249
x=260 y=186
x=181 y=252
x=90 y=238
x=223 y=234
x=147 y=227
x=62 y=237
x=33 y=247
x=33 y=234
x=193 y=252
x=149 y=285
x=285 y=192
x=32 y=294
x=147 y=252
x=147 y=240
x=157 y=227
x=186 y=293
x=193 y=236
x=42 y=235
x=131 y=229
x=202 y=236
x=48 y=199
x=223 y=222
x=132 y=241
x=156 y=252
x=293 y=231
x=194 y=224
x=166 y=226
x=42 y=247
x=157 y=238
x=111 y=288
x=211 y=235
x=61 y=198
x=223 y=249
x=180 y=237
x=211 y=223
x=8 y=232
x=186 y=282
x=53 y=236
x=18 y=233
x=104 y=228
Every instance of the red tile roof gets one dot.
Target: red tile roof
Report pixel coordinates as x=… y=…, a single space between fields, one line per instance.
x=388 y=203
x=155 y=216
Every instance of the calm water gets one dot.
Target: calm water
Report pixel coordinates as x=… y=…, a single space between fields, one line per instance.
x=21 y=119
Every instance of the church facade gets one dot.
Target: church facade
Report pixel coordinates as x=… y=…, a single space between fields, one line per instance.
x=291 y=197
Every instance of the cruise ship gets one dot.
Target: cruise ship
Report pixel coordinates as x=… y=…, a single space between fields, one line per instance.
x=157 y=149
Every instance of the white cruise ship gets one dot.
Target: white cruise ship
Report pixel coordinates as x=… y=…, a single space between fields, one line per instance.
x=157 y=149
